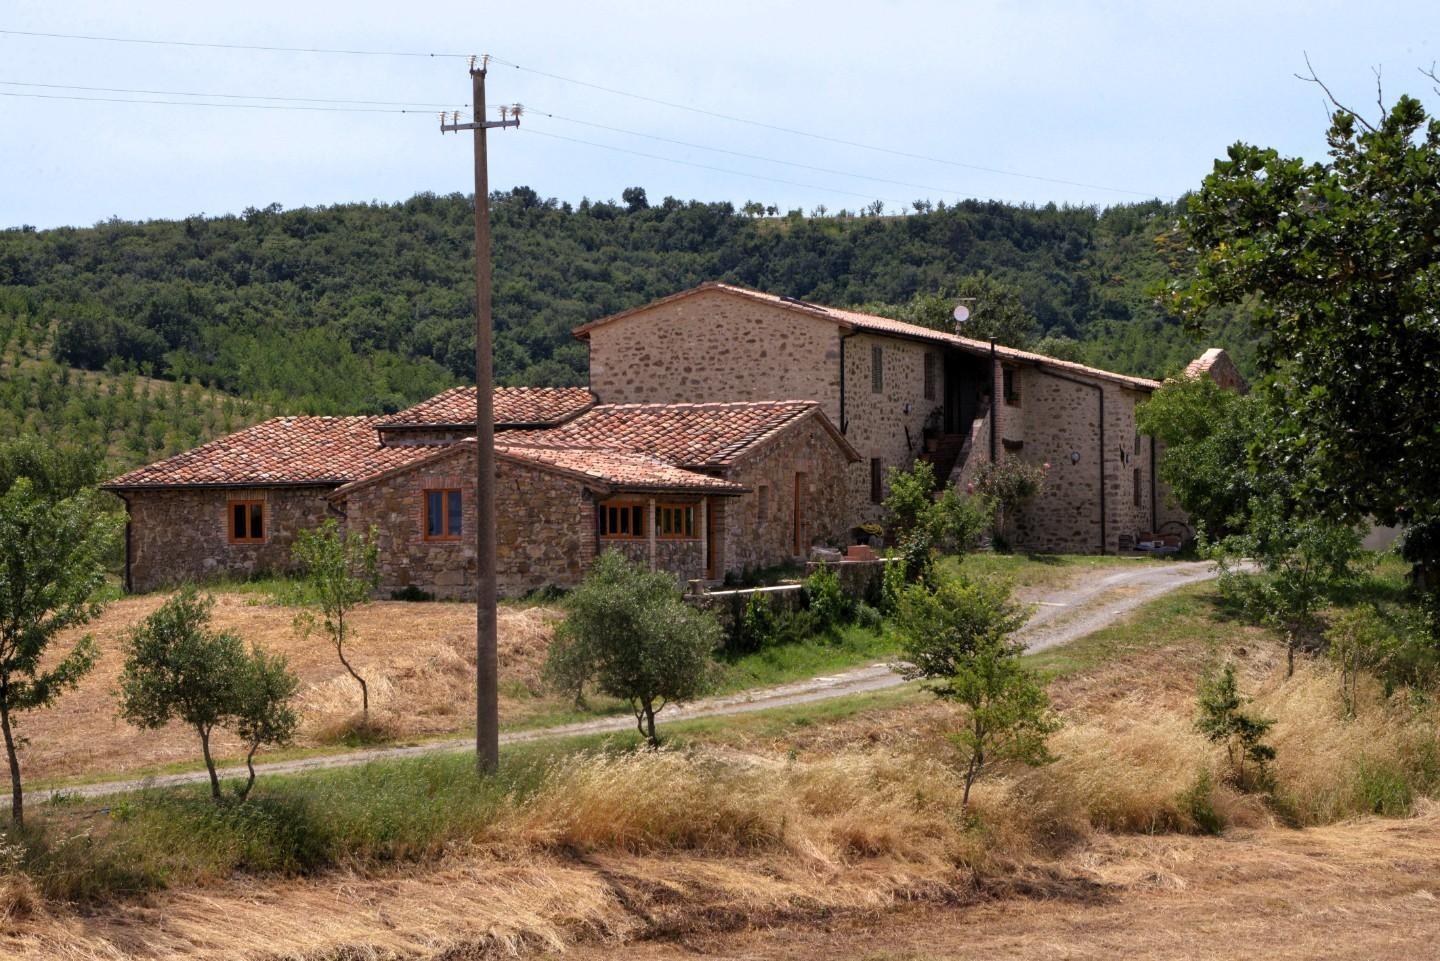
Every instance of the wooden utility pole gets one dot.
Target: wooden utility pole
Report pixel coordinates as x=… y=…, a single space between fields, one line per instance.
x=487 y=715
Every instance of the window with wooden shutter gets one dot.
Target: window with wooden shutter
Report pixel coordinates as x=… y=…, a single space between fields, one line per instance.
x=877 y=369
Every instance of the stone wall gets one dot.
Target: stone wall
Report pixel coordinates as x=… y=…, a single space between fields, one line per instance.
x=755 y=538
x=716 y=347
x=545 y=531
x=886 y=425
x=183 y=535
x=1060 y=417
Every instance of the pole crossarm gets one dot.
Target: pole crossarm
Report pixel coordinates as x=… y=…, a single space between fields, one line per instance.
x=486 y=125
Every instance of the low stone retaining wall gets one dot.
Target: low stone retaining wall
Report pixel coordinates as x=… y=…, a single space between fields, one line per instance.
x=860 y=579
x=729 y=605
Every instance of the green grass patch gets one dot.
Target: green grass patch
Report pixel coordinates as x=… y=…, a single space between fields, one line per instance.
x=1181 y=617
x=384 y=811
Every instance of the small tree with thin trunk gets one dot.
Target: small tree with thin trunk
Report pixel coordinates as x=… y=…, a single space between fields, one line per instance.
x=52 y=563
x=177 y=669
x=263 y=712
x=340 y=570
x=957 y=638
x=628 y=632
x=1223 y=720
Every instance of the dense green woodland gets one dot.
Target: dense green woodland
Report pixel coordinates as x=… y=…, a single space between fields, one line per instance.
x=367 y=307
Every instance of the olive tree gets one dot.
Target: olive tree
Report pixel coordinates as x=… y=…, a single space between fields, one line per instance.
x=340 y=571
x=52 y=564
x=628 y=632
x=178 y=669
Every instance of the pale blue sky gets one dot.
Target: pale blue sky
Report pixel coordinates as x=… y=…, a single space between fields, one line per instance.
x=1136 y=96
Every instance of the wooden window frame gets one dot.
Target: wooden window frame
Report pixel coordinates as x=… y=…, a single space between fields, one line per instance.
x=1010 y=384
x=762 y=503
x=630 y=504
x=687 y=513
x=931 y=375
x=249 y=503
x=444 y=493
x=877 y=369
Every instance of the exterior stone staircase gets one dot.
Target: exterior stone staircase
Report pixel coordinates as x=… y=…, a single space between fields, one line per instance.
x=946 y=455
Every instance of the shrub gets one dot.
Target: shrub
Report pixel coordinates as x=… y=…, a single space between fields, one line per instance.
x=892 y=583
x=1223 y=721
x=938 y=631
x=756 y=627
x=1009 y=485
x=911 y=496
x=826 y=599
x=411 y=593
x=628 y=631
x=869 y=618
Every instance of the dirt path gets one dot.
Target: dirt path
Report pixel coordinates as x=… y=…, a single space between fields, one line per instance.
x=1059 y=617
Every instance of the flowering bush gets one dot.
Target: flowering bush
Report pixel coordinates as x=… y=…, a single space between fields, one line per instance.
x=1009 y=485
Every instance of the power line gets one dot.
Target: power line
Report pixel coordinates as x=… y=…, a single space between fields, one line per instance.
x=779 y=128
x=226 y=96
x=737 y=153
x=691 y=163
x=199 y=103
x=229 y=46
x=816 y=136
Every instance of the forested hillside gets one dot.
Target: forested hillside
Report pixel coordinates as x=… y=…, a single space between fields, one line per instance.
x=124 y=418
x=365 y=307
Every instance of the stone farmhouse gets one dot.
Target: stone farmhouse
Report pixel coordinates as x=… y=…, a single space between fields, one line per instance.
x=724 y=429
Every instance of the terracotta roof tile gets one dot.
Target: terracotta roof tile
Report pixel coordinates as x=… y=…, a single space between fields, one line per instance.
x=622 y=469
x=514 y=406
x=884 y=325
x=282 y=450
x=619 y=469
x=689 y=435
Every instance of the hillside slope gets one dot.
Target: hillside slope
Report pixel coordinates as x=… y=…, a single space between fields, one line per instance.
x=363 y=307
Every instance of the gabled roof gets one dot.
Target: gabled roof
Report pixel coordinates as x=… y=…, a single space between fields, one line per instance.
x=621 y=470
x=282 y=451
x=514 y=407
x=870 y=323
x=706 y=436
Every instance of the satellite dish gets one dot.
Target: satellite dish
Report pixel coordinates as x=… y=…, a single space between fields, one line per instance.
x=962 y=313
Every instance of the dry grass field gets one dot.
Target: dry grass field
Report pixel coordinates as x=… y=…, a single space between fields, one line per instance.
x=418 y=659
x=839 y=834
